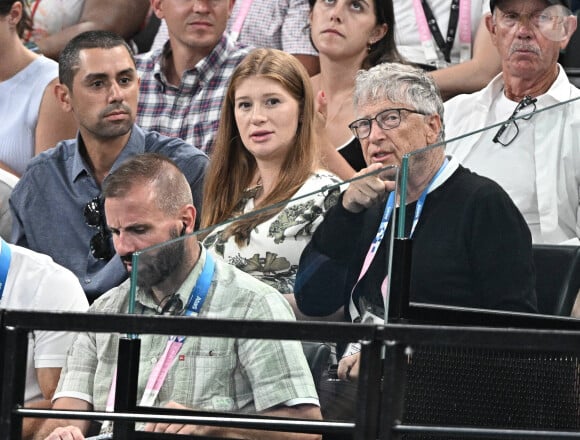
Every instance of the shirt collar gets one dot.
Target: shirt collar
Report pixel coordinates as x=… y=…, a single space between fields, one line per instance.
x=159 y=60
x=135 y=145
x=204 y=69
x=559 y=91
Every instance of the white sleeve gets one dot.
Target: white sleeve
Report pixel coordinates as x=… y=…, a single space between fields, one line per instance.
x=58 y=290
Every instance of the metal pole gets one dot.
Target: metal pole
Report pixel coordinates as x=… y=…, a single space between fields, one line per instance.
x=393 y=390
x=400 y=279
x=369 y=391
x=126 y=389
x=14 y=380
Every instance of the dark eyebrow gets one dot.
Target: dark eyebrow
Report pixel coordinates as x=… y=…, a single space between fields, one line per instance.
x=136 y=226
x=94 y=76
x=127 y=72
x=103 y=76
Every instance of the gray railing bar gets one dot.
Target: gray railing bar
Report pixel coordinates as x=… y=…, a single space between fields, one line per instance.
x=273 y=424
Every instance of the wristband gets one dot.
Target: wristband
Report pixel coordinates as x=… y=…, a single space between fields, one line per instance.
x=351 y=349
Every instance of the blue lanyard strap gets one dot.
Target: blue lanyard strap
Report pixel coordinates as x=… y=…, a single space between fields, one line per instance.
x=5 y=256
x=384 y=223
x=391 y=204
x=421 y=200
x=201 y=288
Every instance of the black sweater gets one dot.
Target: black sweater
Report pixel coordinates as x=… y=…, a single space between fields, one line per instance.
x=471 y=248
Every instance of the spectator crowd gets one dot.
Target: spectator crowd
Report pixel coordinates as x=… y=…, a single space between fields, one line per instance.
x=246 y=153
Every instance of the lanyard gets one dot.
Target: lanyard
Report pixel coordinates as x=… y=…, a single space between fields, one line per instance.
x=174 y=344
x=5 y=256
x=388 y=211
x=239 y=23
x=429 y=30
x=199 y=292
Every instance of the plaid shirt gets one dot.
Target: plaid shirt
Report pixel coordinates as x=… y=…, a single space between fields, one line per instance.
x=190 y=111
x=286 y=27
x=211 y=373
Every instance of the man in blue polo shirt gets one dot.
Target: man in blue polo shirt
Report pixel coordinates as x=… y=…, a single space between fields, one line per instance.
x=56 y=205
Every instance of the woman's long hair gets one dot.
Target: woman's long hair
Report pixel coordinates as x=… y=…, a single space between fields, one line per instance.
x=232 y=167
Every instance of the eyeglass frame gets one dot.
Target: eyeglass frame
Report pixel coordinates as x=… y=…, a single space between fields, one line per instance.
x=102 y=251
x=370 y=121
x=525 y=102
x=533 y=18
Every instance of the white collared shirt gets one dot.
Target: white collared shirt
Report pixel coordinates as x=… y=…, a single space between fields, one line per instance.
x=551 y=137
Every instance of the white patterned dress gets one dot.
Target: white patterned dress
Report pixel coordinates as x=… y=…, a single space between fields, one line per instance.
x=274 y=247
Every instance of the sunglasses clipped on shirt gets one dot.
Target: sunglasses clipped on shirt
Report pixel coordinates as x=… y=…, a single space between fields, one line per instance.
x=100 y=243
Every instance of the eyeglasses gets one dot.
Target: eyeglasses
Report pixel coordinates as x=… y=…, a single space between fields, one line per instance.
x=540 y=19
x=509 y=129
x=101 y=241
x=551 y=22
x=387 y=120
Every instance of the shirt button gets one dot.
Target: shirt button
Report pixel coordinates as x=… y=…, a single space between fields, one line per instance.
x=87 y=280
x=153 y=360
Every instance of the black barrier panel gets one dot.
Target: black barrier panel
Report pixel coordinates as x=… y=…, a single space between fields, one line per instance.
x=491 y=388
x=462 y=377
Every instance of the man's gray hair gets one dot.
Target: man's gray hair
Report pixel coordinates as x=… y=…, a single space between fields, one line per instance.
x=399 y=83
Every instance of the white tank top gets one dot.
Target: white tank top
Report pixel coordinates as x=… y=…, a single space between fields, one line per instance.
x=20 y=98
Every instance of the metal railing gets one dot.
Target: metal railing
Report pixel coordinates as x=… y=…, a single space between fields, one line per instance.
x=386 y=352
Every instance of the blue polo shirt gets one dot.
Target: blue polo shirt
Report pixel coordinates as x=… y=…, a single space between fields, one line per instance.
x=49 y=200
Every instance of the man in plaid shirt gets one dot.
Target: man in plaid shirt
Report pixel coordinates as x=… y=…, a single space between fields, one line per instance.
x=182 y=85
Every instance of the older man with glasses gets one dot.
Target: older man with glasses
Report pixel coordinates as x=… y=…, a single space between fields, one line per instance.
x=56 y=204
x=471 y=246
x=534 y=155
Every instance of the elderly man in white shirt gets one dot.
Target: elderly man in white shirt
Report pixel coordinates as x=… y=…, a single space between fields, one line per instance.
x=536 y=159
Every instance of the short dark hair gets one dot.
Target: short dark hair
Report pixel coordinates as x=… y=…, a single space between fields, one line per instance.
x=172 y=189
x=68 y=62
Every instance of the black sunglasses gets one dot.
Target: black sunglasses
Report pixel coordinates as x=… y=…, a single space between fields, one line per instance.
x=100 y=242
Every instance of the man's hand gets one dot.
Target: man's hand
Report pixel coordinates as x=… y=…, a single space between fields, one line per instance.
x=66 y=433
x=348 y=367
x=58 y=429
x=363 y=193
x=176 y=428
x=300 y=411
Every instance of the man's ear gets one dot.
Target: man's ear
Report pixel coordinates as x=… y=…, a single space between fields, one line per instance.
x=188 y=215
x=491 y=27
x=434 y=128
x=62 y=94
x=570 y=26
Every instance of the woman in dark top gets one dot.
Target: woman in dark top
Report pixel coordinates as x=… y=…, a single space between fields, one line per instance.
x=348 y=36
